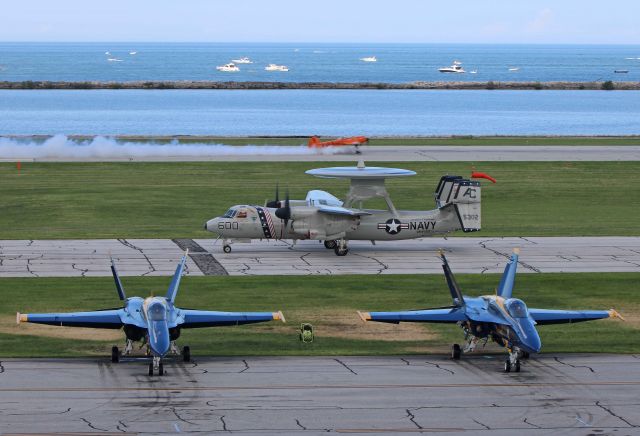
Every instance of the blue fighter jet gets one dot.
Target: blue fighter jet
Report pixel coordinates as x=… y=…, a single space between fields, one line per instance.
x=154 y=320
x=502 y=318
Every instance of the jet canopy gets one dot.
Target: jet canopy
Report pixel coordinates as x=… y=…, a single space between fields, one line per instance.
x=157 y=311
x=516 y=308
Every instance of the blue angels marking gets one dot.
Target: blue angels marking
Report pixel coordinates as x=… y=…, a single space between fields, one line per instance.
x=393 y=226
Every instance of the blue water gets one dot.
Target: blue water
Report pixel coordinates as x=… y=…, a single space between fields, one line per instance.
x=324 y=112
x=316 y=62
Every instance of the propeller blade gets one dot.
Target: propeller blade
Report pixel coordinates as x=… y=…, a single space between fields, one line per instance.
x=275 y=203
x=284 y=213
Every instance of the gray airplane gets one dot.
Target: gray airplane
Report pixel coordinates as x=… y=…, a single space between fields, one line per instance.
x=323 y=217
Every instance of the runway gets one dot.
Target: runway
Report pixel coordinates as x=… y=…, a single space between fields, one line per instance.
x=158 y=257
x=399 y=153
x=554 y=394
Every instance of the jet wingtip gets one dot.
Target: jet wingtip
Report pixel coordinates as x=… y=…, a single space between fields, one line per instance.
x=279 y=316
x=21 y=317
x=614 y=314
x=364 y=316
x=516 y=250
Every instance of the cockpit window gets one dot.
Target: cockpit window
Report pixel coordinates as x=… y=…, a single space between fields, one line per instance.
x=241 y=214
x=229 y=214
x=517 y=308
x=157 y=312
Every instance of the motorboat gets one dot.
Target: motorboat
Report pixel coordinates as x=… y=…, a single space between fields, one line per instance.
x=133 y=53
x=114 y=60
x=274 y=67
x=369 y=59
x=242 y=60
x=228 y=68
x=514 y=69
x=456 y=67
x=473 y=72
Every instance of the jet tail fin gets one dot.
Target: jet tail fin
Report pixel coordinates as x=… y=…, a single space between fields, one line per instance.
x=463 y=196
x=313 y=141
x=175 y=282
x=505 y=288
x=116 y=278
x=456 y=293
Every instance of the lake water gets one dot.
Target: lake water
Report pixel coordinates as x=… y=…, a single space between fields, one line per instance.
x=316 y=62
x=323 y=112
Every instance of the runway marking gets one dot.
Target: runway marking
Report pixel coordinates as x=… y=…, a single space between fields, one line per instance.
x=204 y=260
x=296 y=387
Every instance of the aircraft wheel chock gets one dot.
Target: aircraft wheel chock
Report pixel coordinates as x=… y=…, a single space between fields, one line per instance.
x=455 y=352
x=227 y=248
x=115 y=354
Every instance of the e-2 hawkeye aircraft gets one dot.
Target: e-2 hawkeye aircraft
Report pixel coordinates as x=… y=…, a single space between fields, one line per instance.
x=502 y=318
x=154 y=320
x=322 y=216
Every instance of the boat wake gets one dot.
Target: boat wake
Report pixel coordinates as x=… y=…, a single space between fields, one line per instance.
x=61 y=147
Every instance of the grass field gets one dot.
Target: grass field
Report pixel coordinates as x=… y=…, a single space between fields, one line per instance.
x=329 y=303
x=173 y=200
x=448 y=140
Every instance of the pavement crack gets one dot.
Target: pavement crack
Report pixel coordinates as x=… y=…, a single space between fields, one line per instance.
x=557 y=359
x=120 y=425
x=83 y=271
x=1 y=367
x=613 y=414
x=29 y=268
x=246 y=366
x=224 y=424
x=405 y=361
x=482 y=424
x=528 y=240
x=91 y=425
x=412 y=418
x=302 y=258
x=483 y=244
x=383 y=266
x=130 y=245
x=300 y=425
x=345 y=365
x=530 y=423
x=439 y=367
x=175 y=412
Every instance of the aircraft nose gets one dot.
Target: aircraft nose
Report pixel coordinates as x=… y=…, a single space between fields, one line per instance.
x=211 y=225
x=159 y=339
x=533 y=342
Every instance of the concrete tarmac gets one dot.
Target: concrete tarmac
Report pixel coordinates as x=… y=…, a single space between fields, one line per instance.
x=399 y=153
x=554 y=394
x=142 y=257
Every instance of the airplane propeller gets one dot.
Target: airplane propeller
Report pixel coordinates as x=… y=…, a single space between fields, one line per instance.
x=275 y=203
x=284 y=213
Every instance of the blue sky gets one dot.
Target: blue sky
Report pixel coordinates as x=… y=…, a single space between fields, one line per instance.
x=413 y=21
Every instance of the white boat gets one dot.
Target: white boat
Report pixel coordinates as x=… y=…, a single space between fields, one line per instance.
x=114 y=60
x=369 y=59
x=133 y=53
x=228 y=68
x=473 y=72
x=242 y=60
x=456 y=67
x=274 y=67
x=108 y=53
x=514 y=68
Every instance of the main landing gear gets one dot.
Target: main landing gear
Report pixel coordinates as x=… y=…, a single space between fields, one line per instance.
x=340 y=248
x=512 y=363
x=330 y=245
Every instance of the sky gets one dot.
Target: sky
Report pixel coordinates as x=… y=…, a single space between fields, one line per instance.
x=331 y=21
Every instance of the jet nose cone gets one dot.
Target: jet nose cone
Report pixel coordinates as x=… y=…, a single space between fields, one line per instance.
x=211 y=225
x=159 y=340
x=533 y=342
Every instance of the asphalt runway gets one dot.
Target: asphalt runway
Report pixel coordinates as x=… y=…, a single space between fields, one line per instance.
x=159 y=257
x=554 y=394
x=400 y=153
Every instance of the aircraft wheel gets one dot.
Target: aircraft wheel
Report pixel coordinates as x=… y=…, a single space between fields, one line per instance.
x=507 y=365
x=160 y=369
x=227 y=248
x=517 y=366
x=455 y=351
x=330 y=245
x=186 y=353
x=151 y=369
x=115 y=355
x=340 y=251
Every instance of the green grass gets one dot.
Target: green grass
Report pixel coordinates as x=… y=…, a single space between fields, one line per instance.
x=173 y=200
x=324 y=301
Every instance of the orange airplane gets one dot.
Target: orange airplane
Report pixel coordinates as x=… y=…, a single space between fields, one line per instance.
x=314 y=142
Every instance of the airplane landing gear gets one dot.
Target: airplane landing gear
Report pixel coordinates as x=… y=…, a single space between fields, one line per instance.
x=156 y=364
x=341 y=248
x=128 y=347
x=226 y=248
x=330 y=245
x=115 y=354
x=512 y=363
x=455 y=352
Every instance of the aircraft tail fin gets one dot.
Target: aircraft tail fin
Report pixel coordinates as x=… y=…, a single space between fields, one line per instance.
x=463 y=196
x=313 y=142
x=456 y=293
x=505 y=288
x=116 y=278
x=175 y=282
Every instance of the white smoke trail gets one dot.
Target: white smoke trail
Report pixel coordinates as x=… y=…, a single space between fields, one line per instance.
x=61 y=147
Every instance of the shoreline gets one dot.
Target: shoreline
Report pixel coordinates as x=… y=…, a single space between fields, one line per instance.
x=230 y=85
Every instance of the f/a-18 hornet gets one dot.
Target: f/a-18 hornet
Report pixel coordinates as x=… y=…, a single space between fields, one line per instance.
x=154 y=320
x=322 y=216
x=502 y=318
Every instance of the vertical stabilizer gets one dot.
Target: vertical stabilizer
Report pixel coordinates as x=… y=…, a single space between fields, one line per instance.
x=116 y=278
x=456 y=293
x=175 y=282
x=505 y=288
